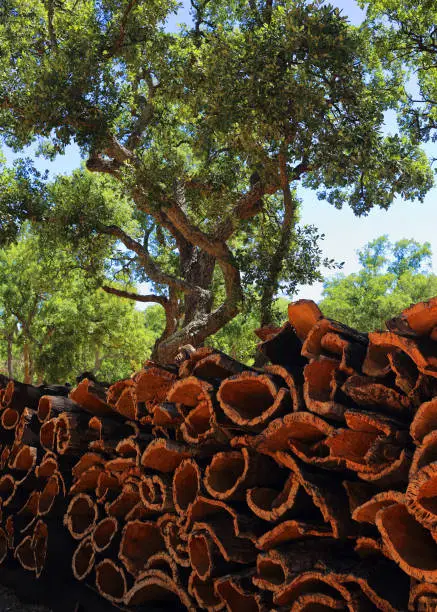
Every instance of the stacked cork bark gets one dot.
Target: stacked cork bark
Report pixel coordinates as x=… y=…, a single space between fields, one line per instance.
x=308 y=485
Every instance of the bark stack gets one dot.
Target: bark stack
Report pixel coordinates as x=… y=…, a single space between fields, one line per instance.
x=308 y=485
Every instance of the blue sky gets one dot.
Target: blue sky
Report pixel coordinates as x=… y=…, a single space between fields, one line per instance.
x=344 y=233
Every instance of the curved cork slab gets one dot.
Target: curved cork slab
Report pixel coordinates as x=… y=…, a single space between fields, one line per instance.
x=320 y=387
x=284 y=348
x=231 y=473
x=91 y=397
x=139 y=541
x=153 y=384
x=272 y=505
x=165 y=455
x=83 y=559
x=419 y=319
x=156 y=493
x=367 y=391
x=111 y=581
x=333 y=339
x=421 y=496
x=366 y=513
x=421 y=351
x=303 y=315
x=425 y=421
x=156 y=587
x=187 y=481
x=251 y=399
x=203 y=592
x=81 y=516
x=193 y=399
x=408 y=542
x=425 y=453
x=175 y=538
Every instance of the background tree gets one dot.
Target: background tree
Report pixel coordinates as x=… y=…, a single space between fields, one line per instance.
x=193 y=133
x=56 y=323
x=392 y=276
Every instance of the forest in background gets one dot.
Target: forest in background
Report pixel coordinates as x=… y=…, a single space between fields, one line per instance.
x=55 y=322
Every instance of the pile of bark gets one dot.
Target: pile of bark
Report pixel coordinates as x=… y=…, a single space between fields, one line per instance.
x=308 y=485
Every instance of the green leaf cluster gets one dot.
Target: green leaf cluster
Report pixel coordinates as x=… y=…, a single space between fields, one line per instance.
x=68 y=325
x=405 y=37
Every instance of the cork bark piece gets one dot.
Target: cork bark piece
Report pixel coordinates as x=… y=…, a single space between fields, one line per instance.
x=303 y=315
x=419 y=319
x=231 y=473
x=409 y=543
x=320 y=387
x=421 y=496
x=250 y=399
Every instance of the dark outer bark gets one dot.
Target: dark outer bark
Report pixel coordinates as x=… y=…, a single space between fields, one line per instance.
x=200 y=269
x=195 y=266
x=198 y=330
x=205 y=323
x=158 y=299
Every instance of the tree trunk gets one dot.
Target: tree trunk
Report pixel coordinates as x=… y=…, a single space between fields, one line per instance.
x=196 y=267
x=272 y=280
x=97 y=360
x=27 y=364
x=199 y=271
x=10 y=364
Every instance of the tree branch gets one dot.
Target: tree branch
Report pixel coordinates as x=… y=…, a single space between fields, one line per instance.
x=117 y=153
x=97 y=163
x=158 y=299
x=248 y=205
x=176 y=213
x=200 y=328
x=116 y=150
x=50 y=18
x=123 y=23
x=171 y=321
x=151 y=268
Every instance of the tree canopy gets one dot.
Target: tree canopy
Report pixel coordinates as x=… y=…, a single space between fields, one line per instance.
x=405 y=36
x=392 y=277
x=194 y=142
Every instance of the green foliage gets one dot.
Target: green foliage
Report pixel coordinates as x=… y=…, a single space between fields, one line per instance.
x=405 y=36
x=392 y=276
x=73 y=68
x=68 y=325
x=256 y=243
x=301 y=78
x=154 y=319
x=73 y=226
x=309 y=83
x=22 y=197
